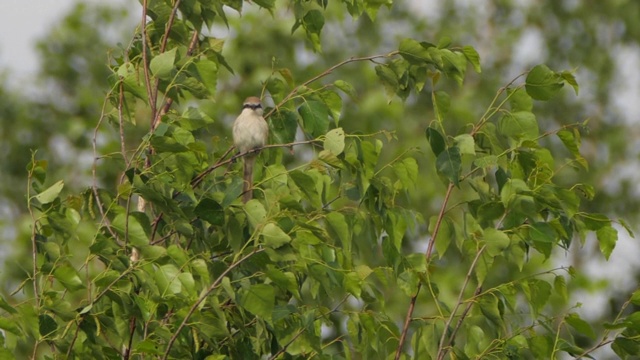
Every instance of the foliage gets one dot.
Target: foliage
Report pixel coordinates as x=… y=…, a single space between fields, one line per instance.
x=324 y=261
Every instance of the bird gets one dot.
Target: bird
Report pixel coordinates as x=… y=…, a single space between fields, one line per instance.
x=250 y=132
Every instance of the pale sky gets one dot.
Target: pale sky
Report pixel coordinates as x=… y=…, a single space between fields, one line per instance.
x=21 y=24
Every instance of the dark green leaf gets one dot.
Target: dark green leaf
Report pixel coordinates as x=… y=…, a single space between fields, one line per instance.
x=315 y=117
x=283 y=125
x=211 y=211
x=307 y=185
x=436 y=141
x=258 y=299
x=47 y=325
x=543 y=237
x=449 y=164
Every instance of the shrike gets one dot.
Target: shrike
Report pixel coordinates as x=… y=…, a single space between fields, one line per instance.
x=250 y=131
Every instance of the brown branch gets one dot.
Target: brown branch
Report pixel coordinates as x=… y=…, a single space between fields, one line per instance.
x=441 y=348
x=414 y=298
x=145 y=61
x=202 y=297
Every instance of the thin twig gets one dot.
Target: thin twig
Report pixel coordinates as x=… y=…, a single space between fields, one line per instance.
x=325 y=73
x=301 y=331
x=414 y=298
x=145 y=61
x=441 y=348
x=202 y=297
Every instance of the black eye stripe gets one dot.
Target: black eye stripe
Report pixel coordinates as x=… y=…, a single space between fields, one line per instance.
x=251 y=106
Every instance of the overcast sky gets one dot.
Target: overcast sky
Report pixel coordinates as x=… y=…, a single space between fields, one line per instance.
x=21 y=24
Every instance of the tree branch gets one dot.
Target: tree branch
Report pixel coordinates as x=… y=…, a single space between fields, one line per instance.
x=203 y=297
x=414 y=298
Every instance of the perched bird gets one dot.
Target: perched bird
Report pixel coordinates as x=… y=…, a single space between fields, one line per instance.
x=250 y=131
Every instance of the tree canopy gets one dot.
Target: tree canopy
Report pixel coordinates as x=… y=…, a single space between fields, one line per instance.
x=428 y=164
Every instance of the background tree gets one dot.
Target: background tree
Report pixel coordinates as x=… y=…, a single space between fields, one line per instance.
x=330 y=257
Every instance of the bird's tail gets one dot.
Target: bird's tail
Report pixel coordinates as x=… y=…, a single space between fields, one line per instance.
x=247 y=192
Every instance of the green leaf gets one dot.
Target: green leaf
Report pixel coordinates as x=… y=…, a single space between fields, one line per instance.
x=334 y=141
x=571 y=141
x=133 y=231
x=625 y=347
x=521 y=125
x=51 y=193
x=313 y=22
x=489 y=308
x=496 y=241
x=10 y=325
x=161 y=66
x=334 y=104
x=47 y=325
x=167 y=280
x=436 y=141
x=519 y=100
x=256 y=212
x=441 y=103
x=68 y=277
x=4 y=305
x=339 y=226
x=472 y=57
x=209 y=210
x=407 y=172
x=466 y=144
x=486 y=161
x=580 y=325
x=560 y=286
x=388 y=78
x=258 y=299
x=570 y=79
x=307 y=185
x=594 y=221
x=607 y=238
x=208 y=74
x=267 y=4
x=444 y=238
x=543 y=237
x=315 y=117
x=346 y=87
x=537 y=292
x=273 y=236
x=449 y=164
x=414 y=52
x=283 y=125
x=542 y=83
